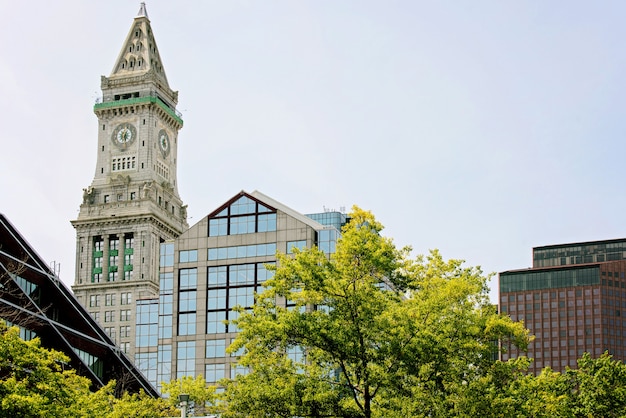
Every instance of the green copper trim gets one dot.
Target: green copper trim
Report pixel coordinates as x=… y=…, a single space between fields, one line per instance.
x=139 y=100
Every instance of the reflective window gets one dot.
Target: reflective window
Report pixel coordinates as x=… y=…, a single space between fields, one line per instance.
x=187 y=323
x=188 y=256
x=185 y=358
x=230 y=286
x=218 y=227
x=215 y=348
x=214 y=372
x=243 y=205
x=166 y=281
x=242 y=225
x=521 y=281
x=244 y=216
x=164 y=365
x=301 y=245
x=146 y=323
x=187 y=301
x=296 y=354
x=147 y=363
x=241 y=274
x=241 y=296
x=237 y=370
x=215 y=322
x=167 y=255
x=188 y=279
x=267 y=223
x=242 y=251
x=216 y=299
x=327 y=240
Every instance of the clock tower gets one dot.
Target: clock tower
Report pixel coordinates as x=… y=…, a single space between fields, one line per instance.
x=132 y=204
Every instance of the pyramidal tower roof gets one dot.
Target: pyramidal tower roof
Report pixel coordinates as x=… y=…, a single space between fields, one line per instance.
x=139 y=54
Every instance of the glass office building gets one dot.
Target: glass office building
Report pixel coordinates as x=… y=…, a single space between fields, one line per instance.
x=215 y=266
x=572 y=300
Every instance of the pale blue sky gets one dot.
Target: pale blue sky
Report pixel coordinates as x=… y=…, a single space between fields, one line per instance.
x=481 y=128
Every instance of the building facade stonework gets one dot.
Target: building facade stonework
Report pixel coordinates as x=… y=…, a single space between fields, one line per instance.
x=132 y=205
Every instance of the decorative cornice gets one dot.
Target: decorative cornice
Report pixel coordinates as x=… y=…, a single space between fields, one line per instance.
x=117 y=104
x=109 y=221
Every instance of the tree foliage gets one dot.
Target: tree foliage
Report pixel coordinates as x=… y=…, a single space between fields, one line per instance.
x=34 y=382
x=382 y=334
x=201 y=396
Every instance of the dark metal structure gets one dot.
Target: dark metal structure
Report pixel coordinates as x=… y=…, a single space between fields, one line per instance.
x=33 y=298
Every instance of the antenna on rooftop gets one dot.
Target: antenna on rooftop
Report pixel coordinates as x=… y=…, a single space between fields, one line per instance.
x=56 y=269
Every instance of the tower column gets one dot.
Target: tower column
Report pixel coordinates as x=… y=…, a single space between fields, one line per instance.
x=105 y=259
x=136 y=163
x=120 y=259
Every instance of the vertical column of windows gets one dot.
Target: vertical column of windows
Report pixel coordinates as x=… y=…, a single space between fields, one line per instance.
x=96 y=273
x=166 y=296
x=187 y=292
x=164 y=364
x=185 y=359
x=129 y=252
x=166 y=301
x=146 y=324
x=114 y=244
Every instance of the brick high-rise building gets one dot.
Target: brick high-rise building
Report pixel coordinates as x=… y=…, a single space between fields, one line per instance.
x=573 y=300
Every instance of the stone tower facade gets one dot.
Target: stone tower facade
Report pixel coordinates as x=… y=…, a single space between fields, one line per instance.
x=132 y=204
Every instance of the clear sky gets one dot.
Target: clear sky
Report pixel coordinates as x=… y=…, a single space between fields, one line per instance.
x=481 y=128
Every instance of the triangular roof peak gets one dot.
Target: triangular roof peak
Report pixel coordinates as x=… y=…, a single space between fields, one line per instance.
x=139 y=54
x=271 y=204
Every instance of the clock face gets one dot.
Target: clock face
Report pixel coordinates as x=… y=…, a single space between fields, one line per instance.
x=164 y=142
x=124 y=135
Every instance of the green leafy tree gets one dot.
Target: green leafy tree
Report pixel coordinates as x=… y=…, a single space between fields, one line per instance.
x=33 y=382
x=379 y=334
x=139 y=405
x=202 y=397
x=598 y=387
